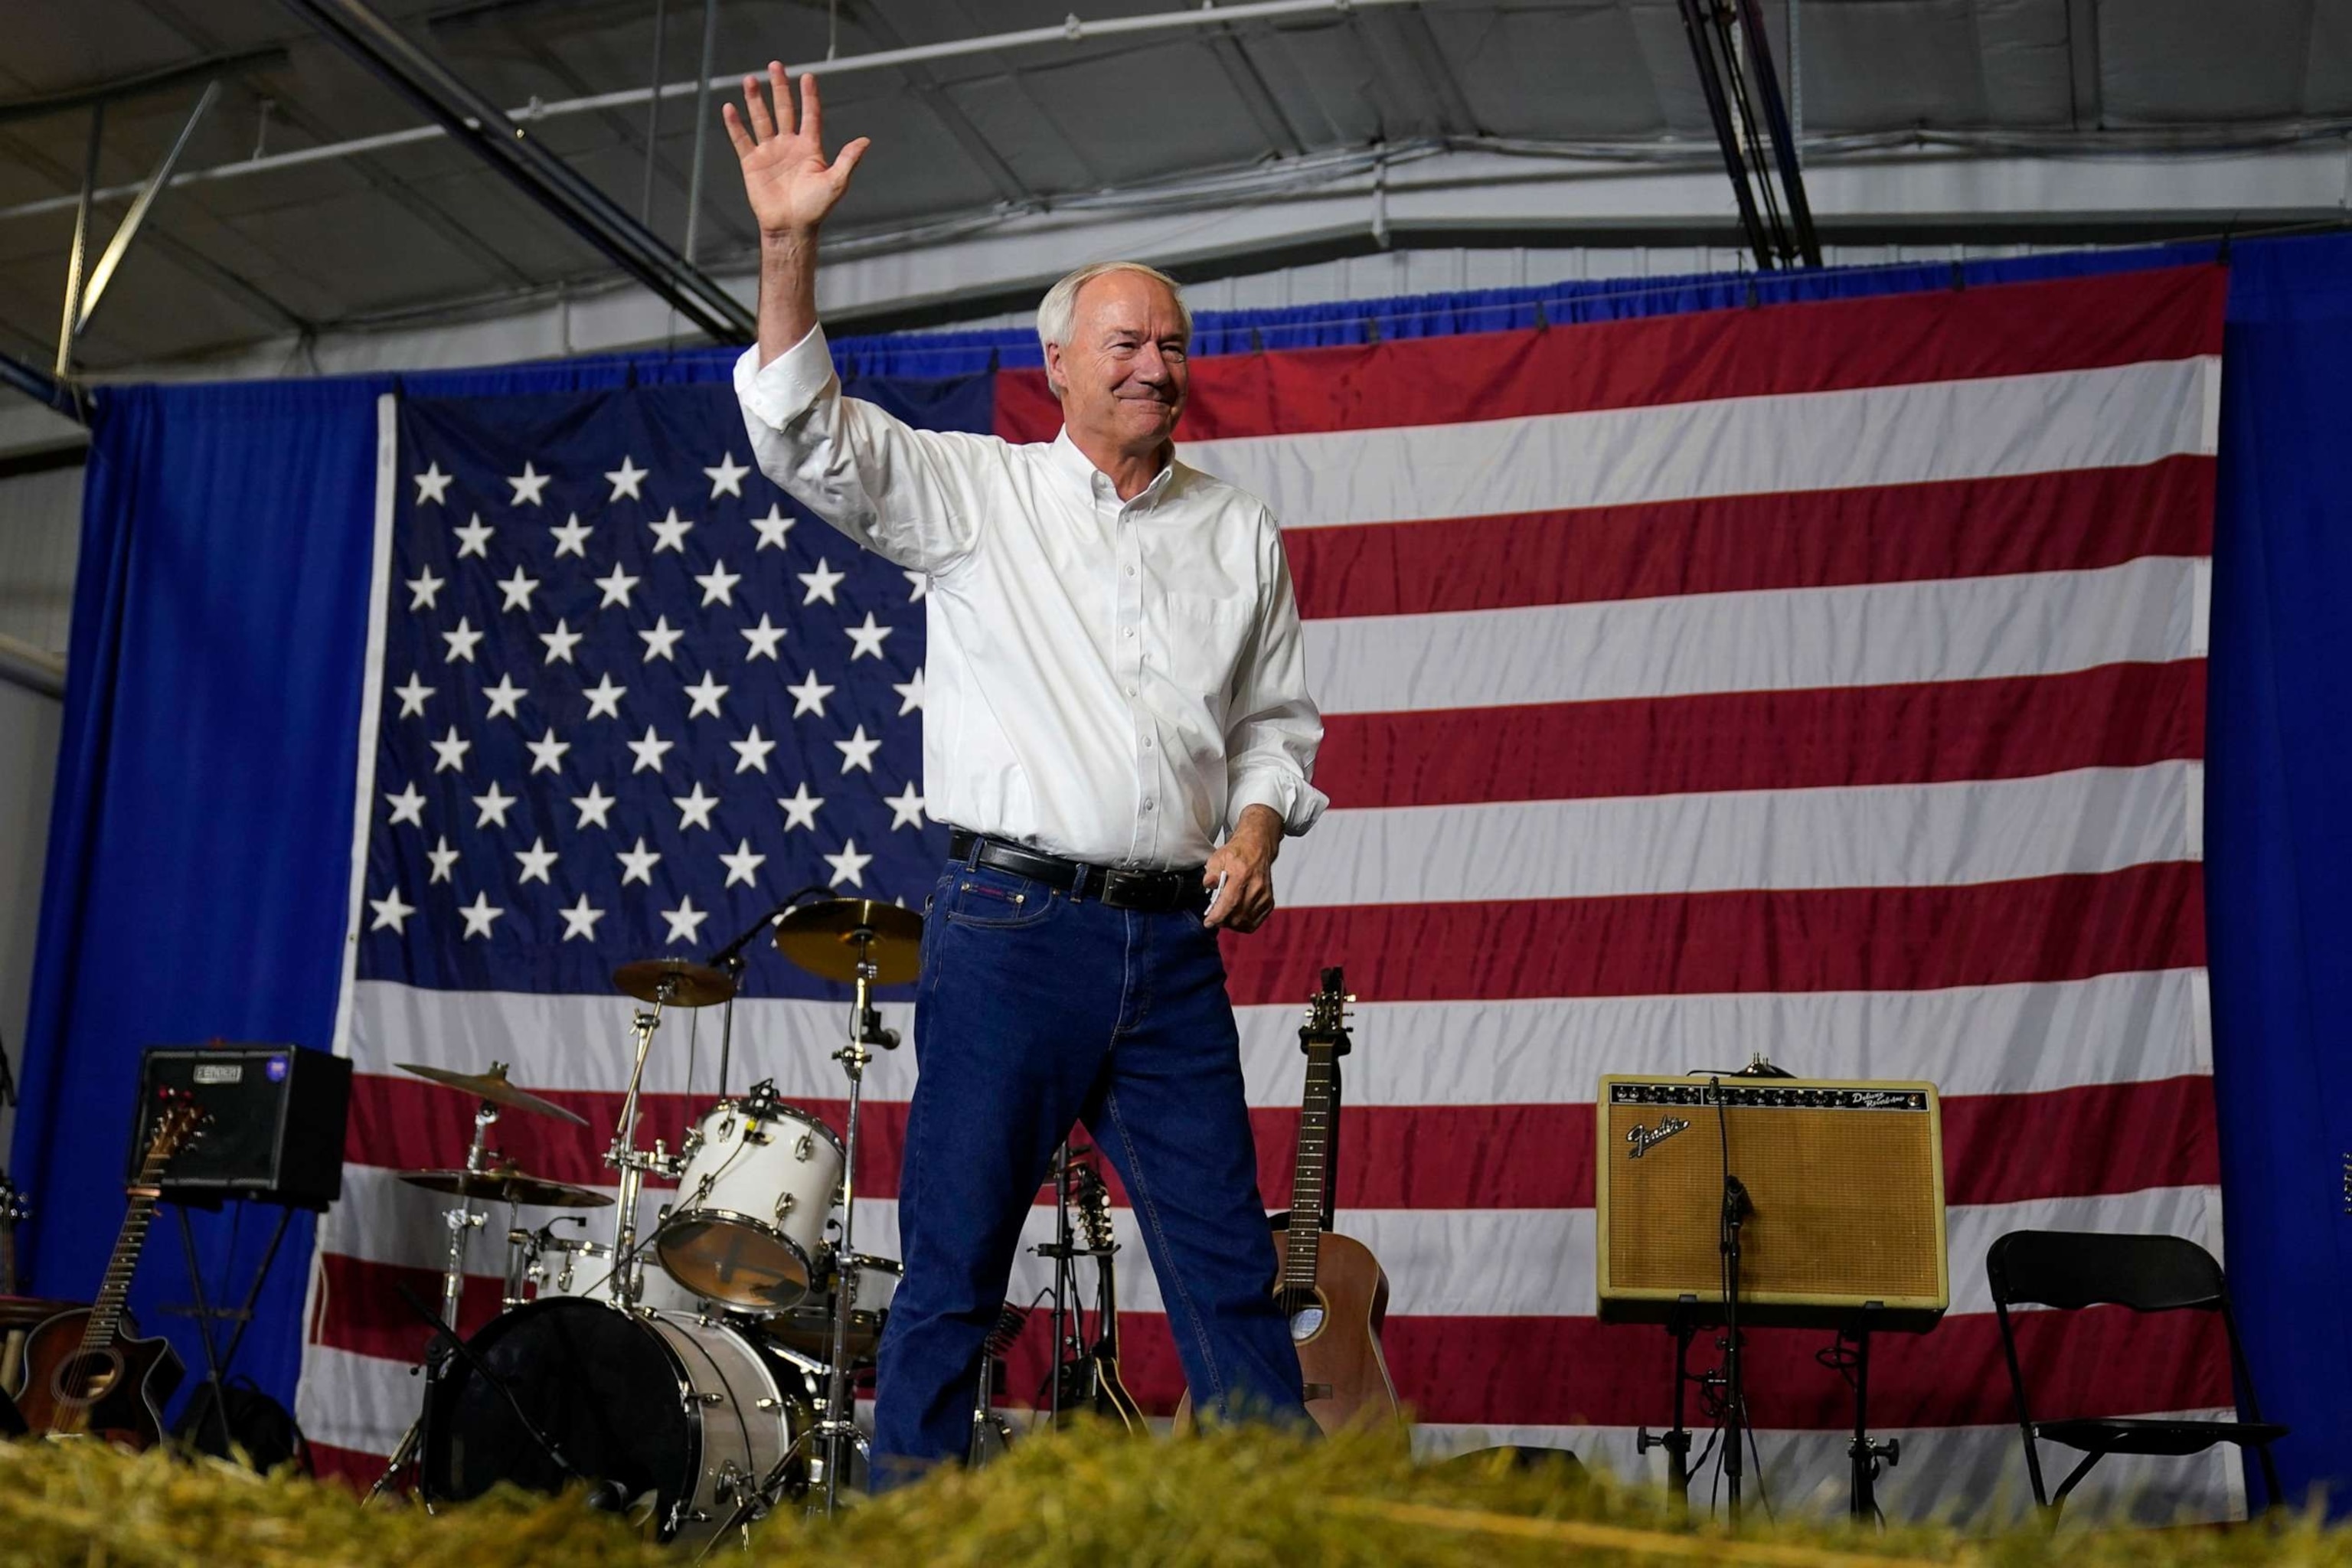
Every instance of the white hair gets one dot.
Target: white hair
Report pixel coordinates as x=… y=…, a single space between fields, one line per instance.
x=1057 y=312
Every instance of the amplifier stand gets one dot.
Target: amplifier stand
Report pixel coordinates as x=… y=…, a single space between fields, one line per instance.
x=218 y=1360
x=1863 y=1451
x=1675 y=1439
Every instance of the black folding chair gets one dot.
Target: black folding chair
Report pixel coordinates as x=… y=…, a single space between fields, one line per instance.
x=2072 y=1270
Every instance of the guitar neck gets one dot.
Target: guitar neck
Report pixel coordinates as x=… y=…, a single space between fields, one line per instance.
x=106 y=1312
x=1319 y=1115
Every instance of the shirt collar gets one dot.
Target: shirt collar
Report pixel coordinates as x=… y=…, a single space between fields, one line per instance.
x=1081 y=472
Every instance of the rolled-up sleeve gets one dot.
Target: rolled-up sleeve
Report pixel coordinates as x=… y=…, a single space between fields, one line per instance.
x=900 y=492
x=1275 y=729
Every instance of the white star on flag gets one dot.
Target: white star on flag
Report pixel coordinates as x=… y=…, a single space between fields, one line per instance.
x=764 y=640
x=432 y=485
x=412 y=695
x=773 y=528
x=800 y=807
x=505 y=696
x=809 y=696
x=727 y=478
x=572 y=537
x=848 y=865
x=694 y=808
x=408 y=805
x=626 y=480
x=547 y=753
x=536 y=862
x=706 y=695
x=683 y=920
x=517 y=590
x=670 y=533
x=449 y=751
x=751 y=753
x=905 y=808
x=473 y=539
x=661 y=639
x=461 y=642
x=820 y=582
x=616 y=588
x=918 y=584
x=560 y=642
x=910 y=692
x=718 y=584
x=604 y=697
x=743 y=865
x=581 y=920
x=595 y=807
x=867 y=638
x=444 y=859
x=478 y=916
x=650 y=751
x=390 y=910
x=493 y=806
x=637 y=865
x=528 y=486
x=426 y=590
x=857 y=752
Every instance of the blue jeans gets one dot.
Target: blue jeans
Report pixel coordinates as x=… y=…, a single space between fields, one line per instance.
x=1034 y=1011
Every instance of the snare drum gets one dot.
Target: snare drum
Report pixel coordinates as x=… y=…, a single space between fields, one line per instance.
x=570 y=1266
x=683 y=1418
x=759 y=1179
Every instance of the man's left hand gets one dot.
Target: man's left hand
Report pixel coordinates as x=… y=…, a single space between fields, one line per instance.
x=1245 y=862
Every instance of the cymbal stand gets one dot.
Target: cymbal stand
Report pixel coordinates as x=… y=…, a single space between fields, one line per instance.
x=838 y=1430
x=630 y=1161
x=461 y=1222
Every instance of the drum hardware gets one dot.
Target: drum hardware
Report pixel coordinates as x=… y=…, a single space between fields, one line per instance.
x=663 y=983
x=987 y=1426
x=729 y=961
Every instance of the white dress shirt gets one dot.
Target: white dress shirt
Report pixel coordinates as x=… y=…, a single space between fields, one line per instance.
x=1109 y=680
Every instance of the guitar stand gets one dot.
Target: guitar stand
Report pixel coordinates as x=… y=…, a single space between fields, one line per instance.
x=1675 y=1439
x=1864 y=1452
x=217 y=1361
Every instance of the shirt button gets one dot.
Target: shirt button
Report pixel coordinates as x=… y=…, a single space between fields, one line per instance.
x=1130 y=571
x=1147 y=743
x=1146 y=803
x=1130 y=631
x=1130 y=691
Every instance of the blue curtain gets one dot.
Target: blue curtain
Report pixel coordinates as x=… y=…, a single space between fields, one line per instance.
x=207 y=769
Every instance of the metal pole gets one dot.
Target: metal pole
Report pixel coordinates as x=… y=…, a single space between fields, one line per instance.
x=81 y=241
x=701 y=126
x=653 y=114
x=141 y=205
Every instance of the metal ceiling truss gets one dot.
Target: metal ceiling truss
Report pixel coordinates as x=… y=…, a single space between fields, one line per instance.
x=575 y=201
x=1743 y=100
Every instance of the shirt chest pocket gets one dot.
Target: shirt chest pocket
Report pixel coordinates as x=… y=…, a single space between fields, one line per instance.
x=1203 y=639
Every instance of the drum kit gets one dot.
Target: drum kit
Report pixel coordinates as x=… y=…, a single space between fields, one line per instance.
x=701 y=1393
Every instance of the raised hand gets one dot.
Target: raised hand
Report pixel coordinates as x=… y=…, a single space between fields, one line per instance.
x=789 y=182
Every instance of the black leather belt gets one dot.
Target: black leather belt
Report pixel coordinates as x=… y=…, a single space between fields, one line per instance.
x=1159 y=893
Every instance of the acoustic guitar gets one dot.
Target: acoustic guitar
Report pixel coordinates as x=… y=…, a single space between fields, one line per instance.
x=1332 y=1289
x=1091 y=1383
x=87 y=1373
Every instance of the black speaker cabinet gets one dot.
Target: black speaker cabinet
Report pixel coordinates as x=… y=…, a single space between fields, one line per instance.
x=274 y=1127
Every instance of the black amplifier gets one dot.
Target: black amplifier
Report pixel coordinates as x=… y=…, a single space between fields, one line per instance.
x=274 y=1122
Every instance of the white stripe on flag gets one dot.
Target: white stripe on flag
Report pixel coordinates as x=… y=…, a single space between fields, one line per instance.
x=1778 y=639
x=1882 y=836
x=2133 y=1028
x=2115 y=417
x=1482 y=1263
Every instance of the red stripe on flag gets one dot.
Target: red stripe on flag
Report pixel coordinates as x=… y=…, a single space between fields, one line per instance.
x=2073 y=521
x=2007 y=1148
x=2114 y=716
x=1579 y=1370
x=348 y=1467
x=2019 y=329
x=1835 y=939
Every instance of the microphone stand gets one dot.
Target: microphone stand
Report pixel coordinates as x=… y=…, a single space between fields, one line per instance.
x=730 y=960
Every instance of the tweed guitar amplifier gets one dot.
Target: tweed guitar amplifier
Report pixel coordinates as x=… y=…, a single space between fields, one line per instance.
x=1846 y=1182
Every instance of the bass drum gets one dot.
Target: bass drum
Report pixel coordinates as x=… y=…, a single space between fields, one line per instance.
x=683 y=1418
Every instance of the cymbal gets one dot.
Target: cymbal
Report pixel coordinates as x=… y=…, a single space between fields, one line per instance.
x=689 y=984
x=504 y=1183
x=821 y=939
x=493 y=1087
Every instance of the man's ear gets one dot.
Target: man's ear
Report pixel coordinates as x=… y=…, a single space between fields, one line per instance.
x=1054 y=383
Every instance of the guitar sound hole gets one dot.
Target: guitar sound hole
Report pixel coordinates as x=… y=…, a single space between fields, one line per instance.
x=1305 y=1310
x=86 y=1378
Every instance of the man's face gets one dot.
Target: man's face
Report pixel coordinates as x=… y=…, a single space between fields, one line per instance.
x=1123 y=373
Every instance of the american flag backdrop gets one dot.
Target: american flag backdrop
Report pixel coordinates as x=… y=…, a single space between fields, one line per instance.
x=1825 y=680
